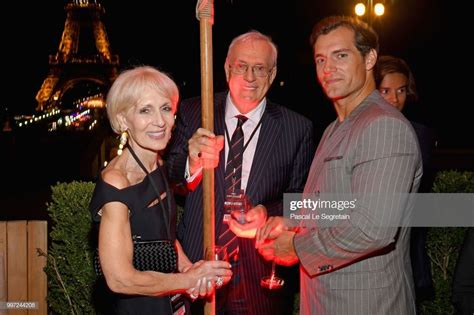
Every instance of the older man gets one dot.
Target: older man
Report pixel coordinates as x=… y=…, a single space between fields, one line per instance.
x=272 y=158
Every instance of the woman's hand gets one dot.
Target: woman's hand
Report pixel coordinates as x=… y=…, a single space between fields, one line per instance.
x=203 y=276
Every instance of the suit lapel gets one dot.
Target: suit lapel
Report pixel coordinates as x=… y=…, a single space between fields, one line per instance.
x=330 y=140
x=219 y=121
x=334 y=139
x=269 y=133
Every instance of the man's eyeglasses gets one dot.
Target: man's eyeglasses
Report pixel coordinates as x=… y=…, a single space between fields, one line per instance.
x=242 y=68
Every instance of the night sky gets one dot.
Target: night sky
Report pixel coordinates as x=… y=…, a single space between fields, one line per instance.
x=167 y=36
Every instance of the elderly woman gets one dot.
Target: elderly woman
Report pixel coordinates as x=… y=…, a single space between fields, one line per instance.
x=132 y=200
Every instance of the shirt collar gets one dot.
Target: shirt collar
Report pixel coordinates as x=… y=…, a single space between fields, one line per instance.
x=254 y=115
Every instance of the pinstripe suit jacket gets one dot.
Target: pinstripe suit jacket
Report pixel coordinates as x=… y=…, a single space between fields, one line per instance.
x=350 y=268
x=281 y=163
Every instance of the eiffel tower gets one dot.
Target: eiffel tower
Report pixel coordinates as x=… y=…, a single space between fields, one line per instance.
x=83 y=58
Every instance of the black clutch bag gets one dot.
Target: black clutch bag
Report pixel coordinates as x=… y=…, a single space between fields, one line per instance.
x=157 y=255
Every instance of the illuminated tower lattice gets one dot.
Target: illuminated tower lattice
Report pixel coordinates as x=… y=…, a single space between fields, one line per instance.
x=83 y=55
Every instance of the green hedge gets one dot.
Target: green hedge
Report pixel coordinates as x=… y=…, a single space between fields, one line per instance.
x=69 y=269
x=444 y=243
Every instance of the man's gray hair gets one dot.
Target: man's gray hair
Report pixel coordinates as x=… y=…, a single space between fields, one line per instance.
x=254 y=35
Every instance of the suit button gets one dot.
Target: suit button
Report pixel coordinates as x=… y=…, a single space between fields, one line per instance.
x=325 y=268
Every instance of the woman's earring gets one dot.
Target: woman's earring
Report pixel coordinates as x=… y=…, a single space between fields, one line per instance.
x=123 y=142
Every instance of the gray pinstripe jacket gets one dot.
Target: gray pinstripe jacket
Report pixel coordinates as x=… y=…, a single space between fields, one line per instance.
x=362 y=265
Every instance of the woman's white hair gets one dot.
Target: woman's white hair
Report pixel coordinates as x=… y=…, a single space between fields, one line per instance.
x=129 y=87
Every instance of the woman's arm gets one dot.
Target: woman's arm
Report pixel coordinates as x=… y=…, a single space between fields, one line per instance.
x=116 y=255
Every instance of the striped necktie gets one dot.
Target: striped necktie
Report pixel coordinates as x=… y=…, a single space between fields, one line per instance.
x=233 y=179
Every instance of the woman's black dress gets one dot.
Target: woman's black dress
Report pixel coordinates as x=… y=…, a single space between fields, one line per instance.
x=147 y=223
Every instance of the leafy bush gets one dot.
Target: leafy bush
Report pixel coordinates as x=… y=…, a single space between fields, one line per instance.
x=69 y=269
x=454 y=182
x=444 y=243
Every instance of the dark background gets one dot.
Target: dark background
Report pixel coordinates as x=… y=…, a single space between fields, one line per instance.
x=165 y=34
x=431 y=35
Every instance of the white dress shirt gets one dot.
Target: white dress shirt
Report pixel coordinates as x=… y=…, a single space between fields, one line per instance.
x=248 y=127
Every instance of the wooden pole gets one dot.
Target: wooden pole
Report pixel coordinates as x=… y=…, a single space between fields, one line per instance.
x=205 y=14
